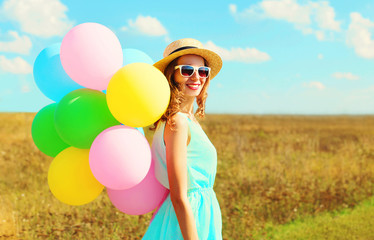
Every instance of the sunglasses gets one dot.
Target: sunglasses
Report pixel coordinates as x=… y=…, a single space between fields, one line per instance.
x=188 y=71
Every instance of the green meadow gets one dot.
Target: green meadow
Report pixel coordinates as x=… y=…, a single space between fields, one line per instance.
x=278 y=177
x=346 y=224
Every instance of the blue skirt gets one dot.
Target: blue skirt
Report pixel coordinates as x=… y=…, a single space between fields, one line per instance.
x=206 y=211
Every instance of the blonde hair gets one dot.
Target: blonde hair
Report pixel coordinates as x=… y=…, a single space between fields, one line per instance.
x=177 y=97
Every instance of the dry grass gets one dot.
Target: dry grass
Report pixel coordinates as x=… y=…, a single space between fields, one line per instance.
x=271 y=169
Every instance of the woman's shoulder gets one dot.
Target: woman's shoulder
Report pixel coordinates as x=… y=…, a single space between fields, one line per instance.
x=178 y=120
x=177 y=129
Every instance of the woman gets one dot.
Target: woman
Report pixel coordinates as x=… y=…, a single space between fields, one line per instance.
x=185 y=159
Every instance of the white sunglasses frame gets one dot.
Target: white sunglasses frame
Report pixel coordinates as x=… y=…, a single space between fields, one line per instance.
x=195 y=69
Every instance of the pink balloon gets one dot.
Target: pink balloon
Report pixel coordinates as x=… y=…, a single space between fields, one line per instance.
x=90 y=54
x=140 y=199
x=120 y=157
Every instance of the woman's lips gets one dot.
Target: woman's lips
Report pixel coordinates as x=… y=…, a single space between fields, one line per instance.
x=193 y=86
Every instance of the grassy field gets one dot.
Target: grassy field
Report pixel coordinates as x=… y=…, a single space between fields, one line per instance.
x=347 y=224
x=272 y=170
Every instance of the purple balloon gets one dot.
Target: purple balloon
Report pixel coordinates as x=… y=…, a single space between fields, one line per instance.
x=140 y=199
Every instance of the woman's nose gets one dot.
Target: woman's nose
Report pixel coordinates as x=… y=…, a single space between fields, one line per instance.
x=195 y=76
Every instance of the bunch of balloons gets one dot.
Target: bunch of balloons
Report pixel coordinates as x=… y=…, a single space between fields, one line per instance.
x=96 y=138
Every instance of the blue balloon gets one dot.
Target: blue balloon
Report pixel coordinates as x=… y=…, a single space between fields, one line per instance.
x=140 y=130
x=50 y=76
x=131 y=55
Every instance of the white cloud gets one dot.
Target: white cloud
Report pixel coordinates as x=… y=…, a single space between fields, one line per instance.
x=6 y=92
x=348 y=76
x=288 y=10
x=43 y=18
x=25 y=88
x=25 y=85
x=359 y=35
x=16 y=65
x=317 y=85
x=21 y=45
x=232 y=8
x=265 y=95
x=320 y=56
x=320 y=35
x=168 y=39
x=147 y=25
x=303 y=17
x=325 y=16
x=247 y=55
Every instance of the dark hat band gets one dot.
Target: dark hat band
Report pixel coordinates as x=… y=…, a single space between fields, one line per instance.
x=180 y=49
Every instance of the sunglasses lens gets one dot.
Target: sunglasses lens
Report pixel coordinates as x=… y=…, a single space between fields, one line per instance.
x=187 y=71
x=204 y=72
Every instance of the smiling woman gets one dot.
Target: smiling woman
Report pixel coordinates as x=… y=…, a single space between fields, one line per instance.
x=191 y=81
x=185 y=159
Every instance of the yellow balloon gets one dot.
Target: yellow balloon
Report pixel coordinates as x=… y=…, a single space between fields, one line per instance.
x=138 y=94
x=70 y=178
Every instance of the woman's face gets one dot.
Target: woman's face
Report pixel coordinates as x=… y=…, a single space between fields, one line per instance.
x=190 y=86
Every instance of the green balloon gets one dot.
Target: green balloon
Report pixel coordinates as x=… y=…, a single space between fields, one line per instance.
x=44 y=133
x=81 y=115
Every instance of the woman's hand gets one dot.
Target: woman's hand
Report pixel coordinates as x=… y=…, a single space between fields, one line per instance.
x=176 y=141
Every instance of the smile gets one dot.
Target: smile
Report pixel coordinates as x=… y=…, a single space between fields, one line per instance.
x=193 y=86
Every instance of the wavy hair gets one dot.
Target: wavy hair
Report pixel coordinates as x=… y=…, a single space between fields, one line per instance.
x=177 y=97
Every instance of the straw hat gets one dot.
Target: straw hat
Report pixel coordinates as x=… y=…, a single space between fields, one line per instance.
x=190 y=46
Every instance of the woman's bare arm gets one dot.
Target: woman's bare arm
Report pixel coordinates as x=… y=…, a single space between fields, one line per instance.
x=176 y=157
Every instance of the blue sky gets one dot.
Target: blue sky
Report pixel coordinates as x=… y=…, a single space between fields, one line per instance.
x=280 y=56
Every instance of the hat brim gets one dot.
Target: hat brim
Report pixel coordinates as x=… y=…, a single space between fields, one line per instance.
x=213 y=59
